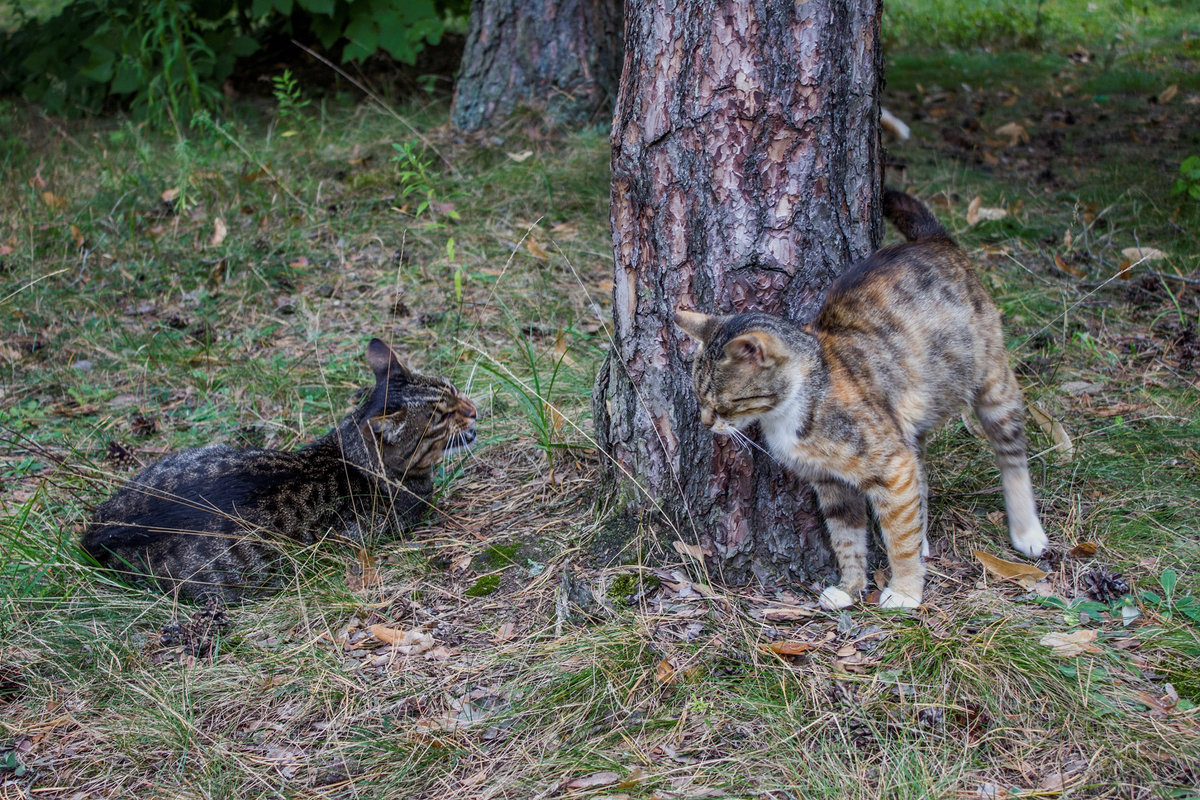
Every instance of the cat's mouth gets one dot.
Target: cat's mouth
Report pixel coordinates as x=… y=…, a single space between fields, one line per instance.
x=460 y=440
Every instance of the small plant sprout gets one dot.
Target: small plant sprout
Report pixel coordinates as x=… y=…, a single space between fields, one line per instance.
x=1189 y=178
x=414 y=176
x=289 y=98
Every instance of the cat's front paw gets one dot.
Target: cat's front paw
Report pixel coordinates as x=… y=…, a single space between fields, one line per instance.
x=833 y=598
x=1032 y=542
x=889 y=598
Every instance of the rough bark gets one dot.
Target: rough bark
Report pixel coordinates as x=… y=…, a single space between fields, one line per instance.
x=561 y=56
x=746 y=172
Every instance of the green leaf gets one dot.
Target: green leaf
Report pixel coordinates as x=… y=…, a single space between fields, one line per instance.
x=323 y=7
x=128 y=78
x=363 y=35
x=1194 y=191
x=1167 y=581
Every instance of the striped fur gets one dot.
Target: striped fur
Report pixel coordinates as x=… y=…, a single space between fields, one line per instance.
x=209 y=521
x=904 y=340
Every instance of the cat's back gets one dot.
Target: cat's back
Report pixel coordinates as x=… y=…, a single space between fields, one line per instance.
x=211 y=489
x=911 y=329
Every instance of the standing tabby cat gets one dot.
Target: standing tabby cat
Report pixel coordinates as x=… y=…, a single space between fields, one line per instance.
x=207 y=521
x=904 y=339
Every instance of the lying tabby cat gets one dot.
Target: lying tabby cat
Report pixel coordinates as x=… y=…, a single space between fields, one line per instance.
x=904 y=339
x=207 y=521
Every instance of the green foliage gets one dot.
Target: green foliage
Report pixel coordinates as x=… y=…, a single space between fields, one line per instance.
x=1170 y=602
x=288 y=95
x=414 y=180
x=1189 y=180
x=166 y=61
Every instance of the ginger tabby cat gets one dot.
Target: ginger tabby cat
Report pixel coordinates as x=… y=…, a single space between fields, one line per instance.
x=903 y=340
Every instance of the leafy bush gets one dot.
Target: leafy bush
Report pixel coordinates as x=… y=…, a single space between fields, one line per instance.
x=166 y=61
x=1189 y=178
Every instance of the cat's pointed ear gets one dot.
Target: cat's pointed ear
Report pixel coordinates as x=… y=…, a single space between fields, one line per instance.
x=386 y=428
x=698 y=326
x=759 y=348
x=384 y=363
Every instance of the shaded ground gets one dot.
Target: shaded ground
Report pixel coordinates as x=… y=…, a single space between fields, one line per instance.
x=490 y=653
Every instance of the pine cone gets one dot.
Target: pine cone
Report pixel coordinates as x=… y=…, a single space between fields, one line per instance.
x=1105 y=586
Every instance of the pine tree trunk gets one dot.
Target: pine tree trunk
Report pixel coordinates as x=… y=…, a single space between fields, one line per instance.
x=560 y=56
x=746 y=171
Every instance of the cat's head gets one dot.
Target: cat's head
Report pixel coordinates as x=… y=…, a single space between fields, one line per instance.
x=413 y=420
x=745 y=367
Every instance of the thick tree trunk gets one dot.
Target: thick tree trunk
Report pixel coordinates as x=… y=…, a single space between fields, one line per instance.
x=746 y=173
x=561 y=56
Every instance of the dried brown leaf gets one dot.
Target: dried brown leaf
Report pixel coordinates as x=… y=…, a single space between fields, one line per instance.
x=787 y=613
x=219 y=232
x=1070 y=644
x=1055 y=430
x=791 y=647
x=1024 y=574
x=593 y=781
x=1144 y=254
x=1015 y=132
x=1083 y=550
x=1168 y=94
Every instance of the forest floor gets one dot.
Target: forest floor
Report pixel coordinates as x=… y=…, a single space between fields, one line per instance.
x=159 y=294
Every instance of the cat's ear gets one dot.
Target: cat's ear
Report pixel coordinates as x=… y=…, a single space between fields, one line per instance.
x=697 y=326
x=384 y=363
x=759 y=348
x=387 y=428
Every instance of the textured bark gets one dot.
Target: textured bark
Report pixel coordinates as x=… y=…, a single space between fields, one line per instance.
x=562 y=56
x=746 y=173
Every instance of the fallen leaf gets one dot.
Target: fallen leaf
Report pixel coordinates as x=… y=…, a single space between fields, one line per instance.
x=1015 y=132
x=1024 y=574
x=664 y=673
x=54 y=202
x=535 y=248
x=219 y=231
x=846 y=650
x=362 y=573
x=1168 y=94
x=787 y=613
x=505 y=633
x=407 y=643
x=1115 y=409
x=37 y=181
x=693 y=550
x=1143 y=254
x=791 y=647
x=77 y=236
x=521 y=156
x=976 y=212
x=169 y=195
x=299 y=263
x=1083 y=550
x=1070 y=644
x=593 y=781
x=1070 y=269
x=1055 y=430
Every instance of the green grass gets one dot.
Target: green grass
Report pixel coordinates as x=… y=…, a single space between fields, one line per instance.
x=258 y=336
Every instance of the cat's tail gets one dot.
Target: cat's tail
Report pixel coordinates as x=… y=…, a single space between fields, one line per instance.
x=911 y=217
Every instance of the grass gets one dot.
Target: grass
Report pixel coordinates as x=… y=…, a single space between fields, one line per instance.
x=129 y=322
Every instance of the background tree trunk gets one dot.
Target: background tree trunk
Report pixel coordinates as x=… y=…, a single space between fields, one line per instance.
x=560 y=55
x=746 y=171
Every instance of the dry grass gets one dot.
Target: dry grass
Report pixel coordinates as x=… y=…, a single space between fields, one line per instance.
x=556 y=653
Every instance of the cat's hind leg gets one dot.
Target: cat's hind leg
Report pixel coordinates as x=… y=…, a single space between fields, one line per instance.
x=1000 y=410
x=845 y=512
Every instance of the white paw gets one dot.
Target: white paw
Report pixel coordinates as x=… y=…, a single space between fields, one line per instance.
x=892 y=599
x=833 y=598
x=1032 y=542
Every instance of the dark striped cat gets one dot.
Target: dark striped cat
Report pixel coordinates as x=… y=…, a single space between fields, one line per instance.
x=209 y=521
x=903 y=340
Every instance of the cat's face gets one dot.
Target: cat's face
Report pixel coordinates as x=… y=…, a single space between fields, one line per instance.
x=416 y=419
x=739 y=373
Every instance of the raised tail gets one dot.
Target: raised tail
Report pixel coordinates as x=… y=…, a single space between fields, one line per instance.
x=911 y=217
